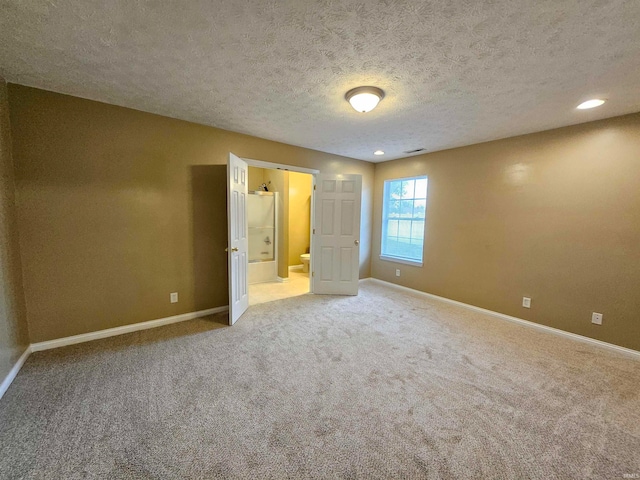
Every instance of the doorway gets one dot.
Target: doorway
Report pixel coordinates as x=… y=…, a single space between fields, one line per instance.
x=334 y=239
x=279 y=232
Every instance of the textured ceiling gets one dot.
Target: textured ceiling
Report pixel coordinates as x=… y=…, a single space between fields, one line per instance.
x=454 y=72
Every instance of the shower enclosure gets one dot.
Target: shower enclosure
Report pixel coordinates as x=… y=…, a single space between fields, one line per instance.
x=261 y=212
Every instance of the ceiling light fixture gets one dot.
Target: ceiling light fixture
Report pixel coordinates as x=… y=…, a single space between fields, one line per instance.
x=596 y=102
x=364 y=99
x=378 y=152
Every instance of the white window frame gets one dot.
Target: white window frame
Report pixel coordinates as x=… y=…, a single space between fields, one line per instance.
x=385 y=220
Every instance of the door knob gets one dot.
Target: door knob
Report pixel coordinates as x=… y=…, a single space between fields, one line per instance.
x=356 y=242
x=233 y=249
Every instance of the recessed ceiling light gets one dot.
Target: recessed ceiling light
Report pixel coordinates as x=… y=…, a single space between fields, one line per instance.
x=364 y=99
x=596 y=102
x=378 y=152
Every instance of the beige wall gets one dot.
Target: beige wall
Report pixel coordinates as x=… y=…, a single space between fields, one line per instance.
x=118 y=208
x=114 y=210
x=300 y=185
x=14 y=337
x=255 y=178
x=554 y=216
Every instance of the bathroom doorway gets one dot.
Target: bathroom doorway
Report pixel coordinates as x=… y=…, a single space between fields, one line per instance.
x=279 y=232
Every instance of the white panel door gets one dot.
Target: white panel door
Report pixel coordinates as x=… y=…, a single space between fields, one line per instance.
x=237 y=173
x=335 y=259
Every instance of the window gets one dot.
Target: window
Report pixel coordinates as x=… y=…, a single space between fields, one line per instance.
x=403 y=216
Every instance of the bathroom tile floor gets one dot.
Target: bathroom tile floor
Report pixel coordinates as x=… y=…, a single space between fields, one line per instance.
x=298 y=284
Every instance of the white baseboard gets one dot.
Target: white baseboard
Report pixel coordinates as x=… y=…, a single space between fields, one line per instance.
x=296 y=268
x=283 y=280
x=555 y=331
x=14 y=371
x=112 y=332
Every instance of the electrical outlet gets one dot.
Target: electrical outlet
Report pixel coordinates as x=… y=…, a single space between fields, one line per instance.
x=596 y=318
x=526 y=302
x=174 y=297
x=397 y=272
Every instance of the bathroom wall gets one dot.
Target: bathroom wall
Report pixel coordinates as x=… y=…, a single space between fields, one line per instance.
x=300 y=185
x=255 y=177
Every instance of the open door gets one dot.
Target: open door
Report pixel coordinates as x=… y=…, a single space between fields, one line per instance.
x=237 y=173
x=335 y=259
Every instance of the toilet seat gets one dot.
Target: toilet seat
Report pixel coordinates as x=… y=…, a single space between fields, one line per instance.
x=305 y=258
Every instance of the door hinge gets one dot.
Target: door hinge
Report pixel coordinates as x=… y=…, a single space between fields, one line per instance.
x=314 y=231
x=314 y=187
x=313 y=274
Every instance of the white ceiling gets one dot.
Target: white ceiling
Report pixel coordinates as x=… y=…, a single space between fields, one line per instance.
x=455 y=72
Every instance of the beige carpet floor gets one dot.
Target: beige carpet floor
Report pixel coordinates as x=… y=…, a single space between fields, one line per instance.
x=383 y=385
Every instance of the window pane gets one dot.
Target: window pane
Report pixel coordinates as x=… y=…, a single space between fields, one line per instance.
x=393 y=208
x=421 y=188
x=403 y=219
x=393 y=248
x=404 y=228
x=417 y=230
x=419 y=207
x=392 y=228
x=406 y=208
x=408 y=187
x=404 y=242
x=395 y=189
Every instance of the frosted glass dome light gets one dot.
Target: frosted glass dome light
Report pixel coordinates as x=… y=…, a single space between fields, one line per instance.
x=364 y=99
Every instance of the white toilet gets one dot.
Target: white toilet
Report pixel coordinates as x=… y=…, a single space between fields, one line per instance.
x=304 y=258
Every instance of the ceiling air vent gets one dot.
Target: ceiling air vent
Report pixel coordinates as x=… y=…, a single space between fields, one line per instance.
x=417 y=150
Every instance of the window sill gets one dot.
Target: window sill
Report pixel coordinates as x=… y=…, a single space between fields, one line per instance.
x=404 y=261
